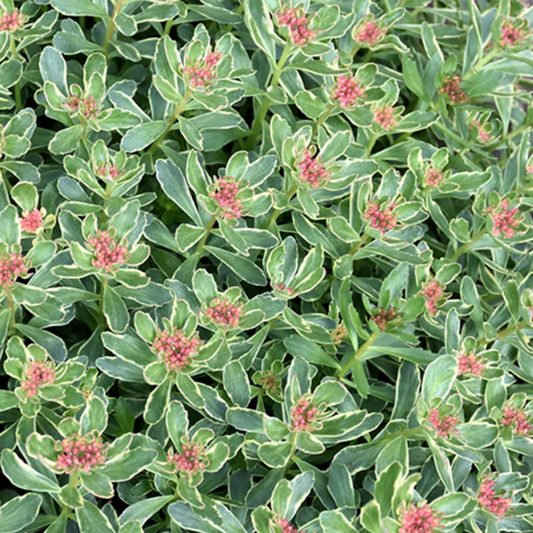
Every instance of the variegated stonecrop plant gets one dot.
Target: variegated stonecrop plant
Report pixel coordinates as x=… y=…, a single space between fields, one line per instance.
x=266 y=266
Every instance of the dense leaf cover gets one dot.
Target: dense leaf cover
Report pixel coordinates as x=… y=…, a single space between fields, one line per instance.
x=266 y=267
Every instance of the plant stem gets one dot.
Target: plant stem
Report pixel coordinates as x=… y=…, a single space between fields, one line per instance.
x=462 y=249
x=11 y=307
x=505 y=332
x=482 y=62
x=208 y=229
x=111 y=27
x=17 y=89
x=357 y=355
x=168 y=26
x=103 y=284
x=321 y=119
x=277 y=212
x=357 y=247
x=265 y=106
x=371 y=142
x=170 y=122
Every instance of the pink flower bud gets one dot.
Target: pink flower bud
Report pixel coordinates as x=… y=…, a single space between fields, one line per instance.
x=203 y=72
x=298 y=24
x=505 y=219
x=516 y=418
x=80 y=453
x=453 y=90
x=270 y=381
x=286 y=526
x=483 y=136
x=86 y=106
x=385 y=117
x=11 y=267
x=419 y=518
x=470 y=364
x=370 y=33
x=191 y=460
x=312 y=171
x=283 y=289
x=108 y=254
x=486 y=497
x=511 y=35
x=224 y=314
x=339 y=334
x=381 y=217
x=444 y=425
x=433 y=291
x=348 y=91
x=303 y=414
x=433 y=177
x=36 y=375
x=11 y=21
x=32 y=221
x=383 y=317
x=175 y=349
x=105 y=170
x=225 y=195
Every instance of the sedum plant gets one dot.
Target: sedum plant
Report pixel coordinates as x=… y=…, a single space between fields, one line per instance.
x=265 y=265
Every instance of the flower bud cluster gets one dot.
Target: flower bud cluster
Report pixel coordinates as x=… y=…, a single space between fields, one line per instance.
x=12 y=265
x=224 y=313
x=369 y=33
x=486 y=497
x=505 y=219
x=385 y=116
x=31 y=221
x=36 y=375
x=382 y=317
x=444 y=425
x=303 y=414
x=470 y=364
x=175 y=349
x=381 y=216
x=109 y=254
x=419 y=518
x=312 y=170
x=80 y=453
x=518 y=419
x=87 y=106
x=225 y=195
x=11 y=21
x=348 y=91
x=191 y=460
x=294 y=18
x=433 y=292
x=453 y=90
x=203 y=72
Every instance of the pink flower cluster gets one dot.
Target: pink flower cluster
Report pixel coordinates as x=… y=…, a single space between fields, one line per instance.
x=339 y=334
x=381 y=217
x=223 y=313
x=419 y=518
x=483 y=136
x=108 y=169
x=225 y=195
x=486 y=497
x=191 y=460
x=37 y=374
x=444 y=425
x=203 y=72
x=31 y=221
x=433 y=177
x=86 y=106
x=511 y=35
x=348 y=91
x=286 y=526
x=283 y=289
x=470 y=364
x=270 y=381
x=384 y=116
x=312 y=171
x=109 y=255
x=453 y=90
x=505 y=219
x=513 y=416
x=11 y=21
x=370 y=33
x=433 y=291
x=303 y=415
x=11 y=267
x=175 y=349
x=294 y=18
x=80 y=453
x=384 y=316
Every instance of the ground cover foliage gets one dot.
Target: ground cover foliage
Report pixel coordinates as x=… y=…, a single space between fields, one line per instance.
x=265 y=266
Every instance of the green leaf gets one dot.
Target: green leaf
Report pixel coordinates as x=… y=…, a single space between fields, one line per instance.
x=177 y=423
x=94 y=416
x=115 y=311
x=242 y=267
x=157 y=402
x=97 y=484
x=19 y=512
x=24 y=476
x=310 y=351
x=66 y=140
x=70 y=496
x=439 y=378
x=9 y=226
x=80 y=8
x=142 y=136
x=128 y=464
x=512 y=299
x=144 y=509
x=91 y=519
x=335 y=522
x=236 y=383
